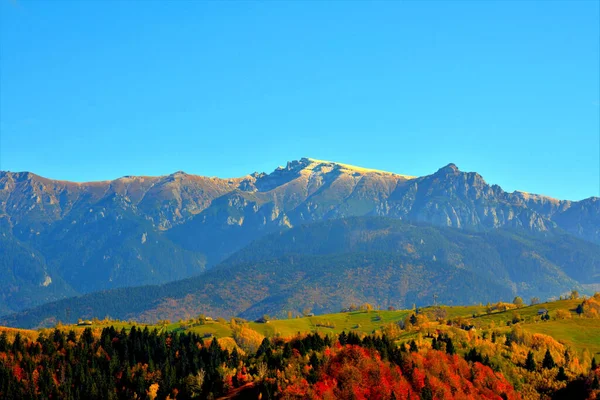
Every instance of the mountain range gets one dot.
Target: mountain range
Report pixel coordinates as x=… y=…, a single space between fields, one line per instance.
x=62 y=239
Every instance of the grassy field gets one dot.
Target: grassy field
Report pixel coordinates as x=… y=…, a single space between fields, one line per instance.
x=528 y=313
x=214 y=328
x=358 y=321
x=576 y=332
x=11 y=333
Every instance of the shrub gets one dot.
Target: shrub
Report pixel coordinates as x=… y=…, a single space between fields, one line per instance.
x=563 y=314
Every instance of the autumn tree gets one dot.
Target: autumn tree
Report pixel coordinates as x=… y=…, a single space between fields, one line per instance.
x=534 y=301
x=194 y=383
x=518 y=301
x=440 y=314
x=574 y=295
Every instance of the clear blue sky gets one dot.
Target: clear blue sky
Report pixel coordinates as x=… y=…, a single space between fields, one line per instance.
x=95 y=90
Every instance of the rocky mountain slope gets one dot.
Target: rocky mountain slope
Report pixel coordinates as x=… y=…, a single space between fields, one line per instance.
x=85 y=237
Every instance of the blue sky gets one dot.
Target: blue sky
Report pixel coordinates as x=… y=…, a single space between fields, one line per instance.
x=100 y=89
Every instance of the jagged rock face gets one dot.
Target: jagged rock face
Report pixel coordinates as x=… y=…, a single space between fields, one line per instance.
x=305 y=190
x=166 y=201
x=90 y=234
x=464 y=200
x=310 y=190
x=581 y=219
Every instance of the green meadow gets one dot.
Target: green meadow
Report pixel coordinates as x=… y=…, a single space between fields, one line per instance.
x=576 y=332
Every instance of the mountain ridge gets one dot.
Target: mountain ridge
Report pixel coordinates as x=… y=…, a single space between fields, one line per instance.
x=302 y=161
x=151 y=230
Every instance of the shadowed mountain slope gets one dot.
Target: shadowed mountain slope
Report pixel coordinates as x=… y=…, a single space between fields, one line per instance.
x=329 y=265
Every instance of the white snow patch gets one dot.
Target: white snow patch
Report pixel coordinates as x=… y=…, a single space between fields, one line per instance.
x=353 y=168
x=47 y=281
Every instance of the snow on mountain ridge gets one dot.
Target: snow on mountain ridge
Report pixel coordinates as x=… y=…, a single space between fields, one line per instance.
x=312 y=163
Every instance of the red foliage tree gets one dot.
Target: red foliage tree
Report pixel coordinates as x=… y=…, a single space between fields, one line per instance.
x=359 y=373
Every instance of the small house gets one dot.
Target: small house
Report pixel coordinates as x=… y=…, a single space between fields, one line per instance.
x=542 y=311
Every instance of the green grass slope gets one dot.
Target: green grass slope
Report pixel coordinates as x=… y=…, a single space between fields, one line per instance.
x=577 y=332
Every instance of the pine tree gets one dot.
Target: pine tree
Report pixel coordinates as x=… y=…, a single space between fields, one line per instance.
x=530 y=364
x=287 y=349
x=301 y=349
x=353 y=338
x=594 y=364
x=450 y=347
x=561 y=376
x=413 y=319
x=548 y=362
x=265 y=344
x=3 y=342
x=17 y=346
x=314 y=360
x=235 y=358
x=413 y=347
x=486 y=361
x=426 y=393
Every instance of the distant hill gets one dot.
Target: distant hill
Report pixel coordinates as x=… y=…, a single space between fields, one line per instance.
x=329 y=265
x=86 y=237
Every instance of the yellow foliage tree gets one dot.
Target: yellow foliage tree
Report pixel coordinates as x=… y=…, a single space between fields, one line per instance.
x=563 y=314
x=152 y=391
x=248 y=339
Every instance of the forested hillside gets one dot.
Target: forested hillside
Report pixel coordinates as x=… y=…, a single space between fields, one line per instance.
x=328 y=265
x=484 y=352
